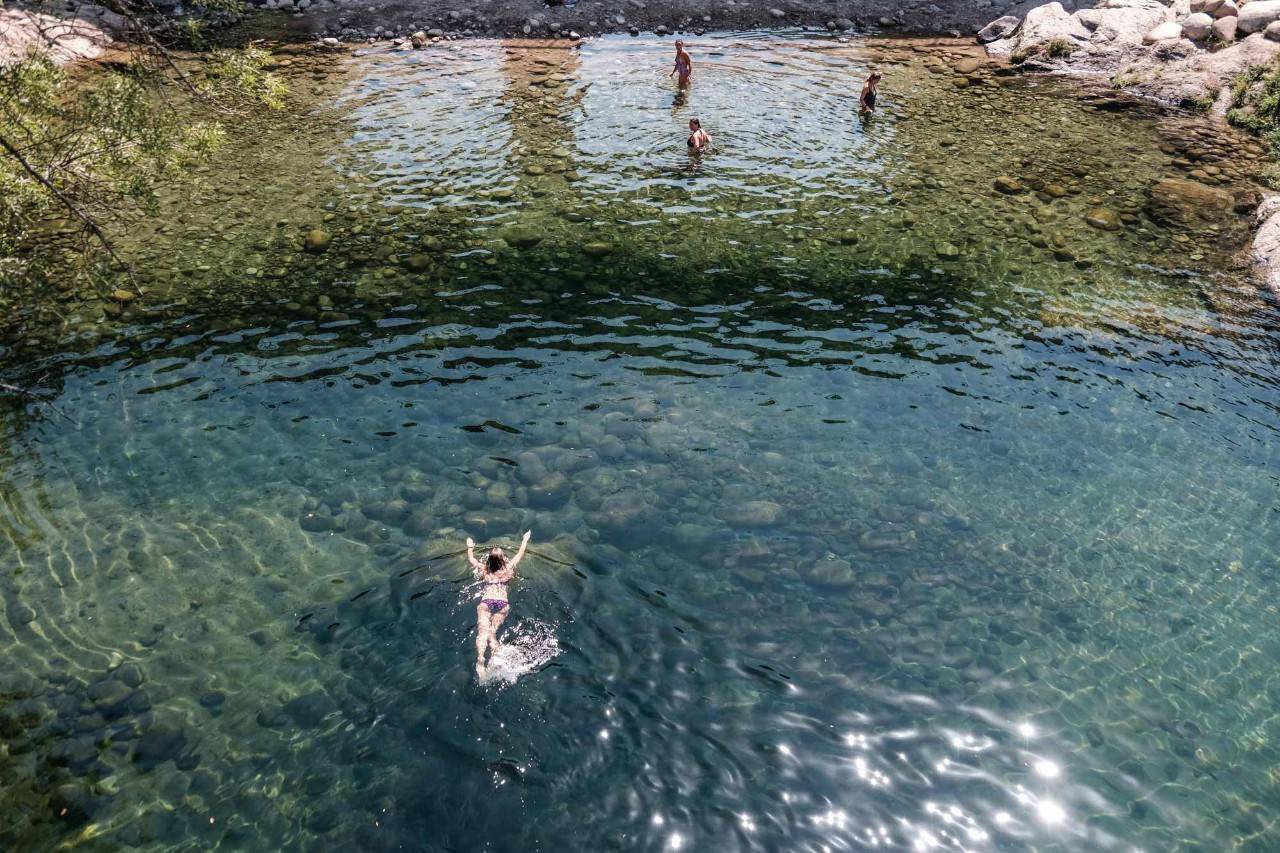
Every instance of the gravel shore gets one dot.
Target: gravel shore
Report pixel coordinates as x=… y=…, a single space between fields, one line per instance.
x=361 y=18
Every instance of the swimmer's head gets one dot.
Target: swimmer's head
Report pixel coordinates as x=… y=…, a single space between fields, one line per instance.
x=875 y=76
x=679 y=45
x=497 y=560
x=694 y=124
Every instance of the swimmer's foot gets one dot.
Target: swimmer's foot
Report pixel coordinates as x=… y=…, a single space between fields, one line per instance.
x=480 y=671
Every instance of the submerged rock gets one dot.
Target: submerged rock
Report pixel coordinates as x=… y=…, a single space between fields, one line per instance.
x=164 y=740
x=838 y=573
x=1007 y=185
x=753 y=514
x=1101 y=217
x=72 y=803
x=1183 y=202
x=418 y=262
x=522 y=236
x=109 y=697
x=316 y=241
x=310 y=710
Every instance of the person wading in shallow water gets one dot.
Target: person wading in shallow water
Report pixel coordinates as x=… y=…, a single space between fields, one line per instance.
x=684 y=65
x=699 y=139
x=496 y=572
x=867 y=100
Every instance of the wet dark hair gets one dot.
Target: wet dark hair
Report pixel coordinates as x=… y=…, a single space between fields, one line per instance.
x=696 y=123
x=497 y=562
x=876 y=75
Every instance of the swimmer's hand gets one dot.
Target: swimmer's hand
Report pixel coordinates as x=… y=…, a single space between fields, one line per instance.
x=471 y=543
x=527 y=534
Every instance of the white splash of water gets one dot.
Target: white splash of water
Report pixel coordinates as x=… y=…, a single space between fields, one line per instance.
x=527 y=646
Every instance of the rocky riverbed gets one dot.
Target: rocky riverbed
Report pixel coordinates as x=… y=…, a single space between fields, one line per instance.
x=1207 y=55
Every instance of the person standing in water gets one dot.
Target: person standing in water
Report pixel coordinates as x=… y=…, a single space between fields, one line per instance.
x=699 y=139
x=683 y=67
x=867 y=100
x=496 y=572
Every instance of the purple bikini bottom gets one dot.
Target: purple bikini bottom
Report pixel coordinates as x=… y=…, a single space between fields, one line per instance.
x=495 y=605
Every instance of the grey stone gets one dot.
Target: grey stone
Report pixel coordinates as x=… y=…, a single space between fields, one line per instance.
x=1224 y=29
x=163 y=741
x=1197 y=27
x=76 y=753
x=72 y=804
x=1000 y=28
x=310 y=710
x=753 y=514
x=131 y=674
x=1255 y=16
x=521 y=236
x=109 y=697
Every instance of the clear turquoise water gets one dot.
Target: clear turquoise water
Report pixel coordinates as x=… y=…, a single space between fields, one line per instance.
x=839 y=542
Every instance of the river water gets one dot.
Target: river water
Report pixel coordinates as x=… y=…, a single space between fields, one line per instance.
x=872 y=508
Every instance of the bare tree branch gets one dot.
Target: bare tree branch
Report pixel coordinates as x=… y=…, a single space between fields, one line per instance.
x=65 y=202
x=6 y=388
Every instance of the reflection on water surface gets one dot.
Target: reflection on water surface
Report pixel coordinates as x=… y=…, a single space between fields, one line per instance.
x=872 y=508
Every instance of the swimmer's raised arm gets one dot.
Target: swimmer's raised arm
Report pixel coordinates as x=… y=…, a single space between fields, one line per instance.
x=471 y=556
x=524 y=546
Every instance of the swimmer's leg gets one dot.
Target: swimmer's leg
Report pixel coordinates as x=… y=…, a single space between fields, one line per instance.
x=482 y=637
x=494 y=624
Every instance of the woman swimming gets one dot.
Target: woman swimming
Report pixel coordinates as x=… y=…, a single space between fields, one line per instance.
x=867 y=100
x=699 y=139
x=684 y=65
x=496 y=572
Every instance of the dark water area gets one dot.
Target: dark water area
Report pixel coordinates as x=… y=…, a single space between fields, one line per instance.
x=867 y=512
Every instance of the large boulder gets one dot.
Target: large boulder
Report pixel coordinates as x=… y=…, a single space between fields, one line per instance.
x=1002 y=47
x=1197 y=27
x=1123 y=24
x=1000 y=28
x=1266 y=242
x=1255 y=16
x=70 y=38
x=1178 y=201
x=1051 y=22
x=1272 y=32
x=1224 y=29
x=1228 y=9
x=1202 y=72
